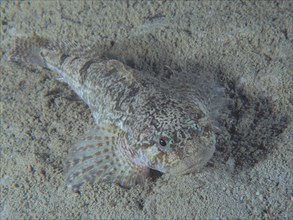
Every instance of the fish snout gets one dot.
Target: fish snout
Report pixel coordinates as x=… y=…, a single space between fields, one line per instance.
x=194 y=155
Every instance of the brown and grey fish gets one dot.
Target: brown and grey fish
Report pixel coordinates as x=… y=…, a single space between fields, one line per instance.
x=143 y=122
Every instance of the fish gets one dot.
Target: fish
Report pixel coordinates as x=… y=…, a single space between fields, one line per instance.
x=143 y=121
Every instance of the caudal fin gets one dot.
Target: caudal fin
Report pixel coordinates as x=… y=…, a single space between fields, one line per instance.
x=29 y=50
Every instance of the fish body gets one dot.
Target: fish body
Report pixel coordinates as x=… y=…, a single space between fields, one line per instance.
x=143 y=122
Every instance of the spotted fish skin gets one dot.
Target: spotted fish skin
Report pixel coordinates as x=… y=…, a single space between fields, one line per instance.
x=143 y=122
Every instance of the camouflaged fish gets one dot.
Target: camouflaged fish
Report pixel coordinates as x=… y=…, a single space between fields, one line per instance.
x=143 y=122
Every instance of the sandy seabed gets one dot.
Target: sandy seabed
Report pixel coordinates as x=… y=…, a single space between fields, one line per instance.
x=247 y=44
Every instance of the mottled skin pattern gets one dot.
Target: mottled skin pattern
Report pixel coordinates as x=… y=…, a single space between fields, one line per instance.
x=156 y=124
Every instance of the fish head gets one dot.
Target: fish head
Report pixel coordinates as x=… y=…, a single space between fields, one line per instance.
x=177 y=139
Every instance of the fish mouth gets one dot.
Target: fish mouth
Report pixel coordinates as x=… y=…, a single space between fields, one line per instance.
x=190 y=169
x=184 y=169
x=191 y=164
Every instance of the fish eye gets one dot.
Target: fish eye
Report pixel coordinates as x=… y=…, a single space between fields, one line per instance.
x=163 y=142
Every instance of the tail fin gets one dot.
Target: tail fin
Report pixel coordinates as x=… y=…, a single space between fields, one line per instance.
x=29 y=50
x=32 y=50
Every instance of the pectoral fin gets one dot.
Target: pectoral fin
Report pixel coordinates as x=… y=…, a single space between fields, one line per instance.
x=103 y=154
x=116 y=67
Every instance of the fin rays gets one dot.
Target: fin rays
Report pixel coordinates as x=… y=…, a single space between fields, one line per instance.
x=99 y=156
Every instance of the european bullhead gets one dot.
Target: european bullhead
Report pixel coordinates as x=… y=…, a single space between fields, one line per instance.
x=143 y=122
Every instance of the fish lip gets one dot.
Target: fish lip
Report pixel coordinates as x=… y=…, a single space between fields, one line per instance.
x=190 y=169
x=186 y=168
